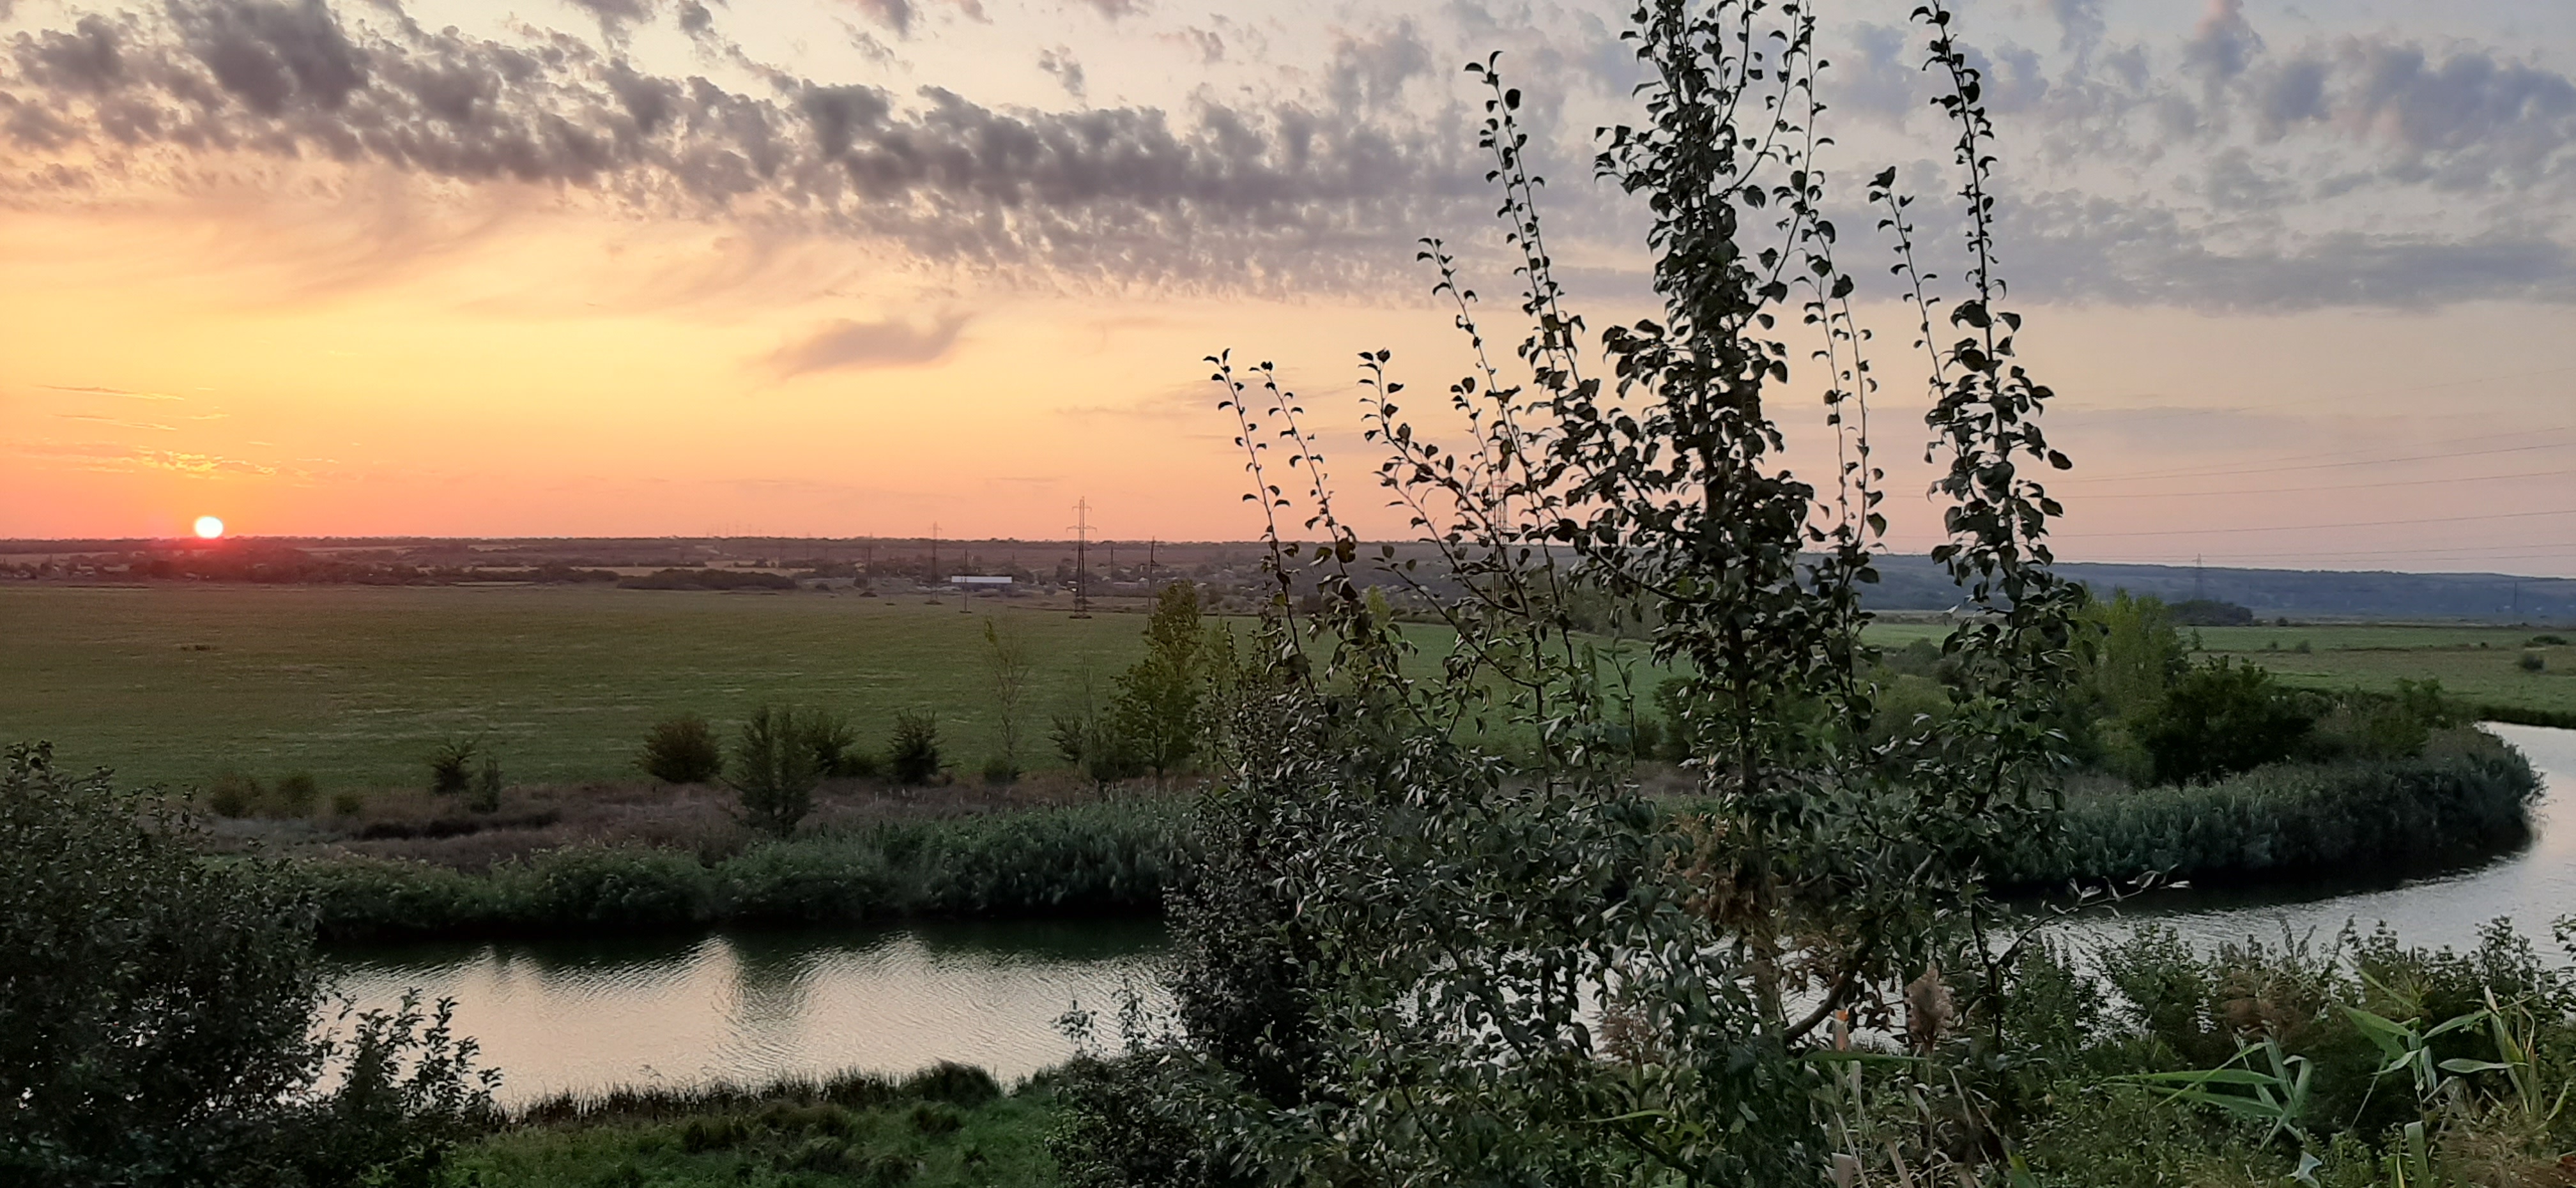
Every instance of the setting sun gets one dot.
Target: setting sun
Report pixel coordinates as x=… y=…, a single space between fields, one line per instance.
x=209 y=528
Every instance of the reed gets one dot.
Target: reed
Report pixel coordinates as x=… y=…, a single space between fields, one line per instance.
x=1108 y=859
x=2468 y=797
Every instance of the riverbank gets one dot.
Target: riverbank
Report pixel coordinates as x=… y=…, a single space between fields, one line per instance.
x=2469 y=797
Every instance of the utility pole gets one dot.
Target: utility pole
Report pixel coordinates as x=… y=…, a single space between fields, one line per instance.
x=1150 y=542
x=933 y=576
x=1082 y=558
x=2197 y=592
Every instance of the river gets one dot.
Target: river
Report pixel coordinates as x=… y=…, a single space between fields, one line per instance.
x=581 y=1016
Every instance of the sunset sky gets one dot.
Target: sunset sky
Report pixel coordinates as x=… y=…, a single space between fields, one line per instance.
x=2304 y=274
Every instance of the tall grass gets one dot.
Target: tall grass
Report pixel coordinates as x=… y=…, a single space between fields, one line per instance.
x=1088 y=860
x=2468 y=797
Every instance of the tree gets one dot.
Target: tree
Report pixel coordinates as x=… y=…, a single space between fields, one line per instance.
x=774 y=770
x=1008 y=663
x=157 y=1013
x=912 y=752
x=2220 y=719
x=2140 y=655
x=1414 y=897
x=1158 y=710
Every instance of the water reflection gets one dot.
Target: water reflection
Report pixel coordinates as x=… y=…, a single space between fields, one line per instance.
x=582 y=1015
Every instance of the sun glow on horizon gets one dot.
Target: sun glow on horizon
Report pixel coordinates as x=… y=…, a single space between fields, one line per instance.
x=209 y=528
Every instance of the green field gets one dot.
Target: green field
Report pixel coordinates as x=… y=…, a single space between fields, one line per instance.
x=174 y=682
x=2476 y=665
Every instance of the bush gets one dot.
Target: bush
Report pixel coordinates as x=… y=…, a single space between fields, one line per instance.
x=297 y=791
x=682 y=750
x=912 y=752
x=774 y=770
x=999 y=771
x=347 y=804
x=2219 y=719
x=837 y=753
x=2531 y=662
x=234 y=793
x=157 y=1017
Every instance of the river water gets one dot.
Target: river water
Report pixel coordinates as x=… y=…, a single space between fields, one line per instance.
x=582 y=1016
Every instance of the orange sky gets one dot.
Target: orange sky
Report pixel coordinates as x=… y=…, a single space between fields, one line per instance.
x=306 y=347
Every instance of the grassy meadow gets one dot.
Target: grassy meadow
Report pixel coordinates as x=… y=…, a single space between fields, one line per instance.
x=174 y=682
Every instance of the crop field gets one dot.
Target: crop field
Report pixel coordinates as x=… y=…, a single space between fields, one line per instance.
x=173 y=683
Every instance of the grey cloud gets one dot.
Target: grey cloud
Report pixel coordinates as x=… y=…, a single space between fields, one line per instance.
x=2225 y=42
x=1114 y=9
x=893 y=14
x=1060 y=63
x=847 y=345
x=1373 y=72
x=1279 y=197
x=2079 y=24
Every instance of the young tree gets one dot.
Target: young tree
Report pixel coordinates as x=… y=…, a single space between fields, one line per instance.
x=1412 y=894
x=1007 y=661
x=1158 y=711
x=774 y=772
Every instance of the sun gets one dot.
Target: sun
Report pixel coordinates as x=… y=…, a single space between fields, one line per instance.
x=209 y=528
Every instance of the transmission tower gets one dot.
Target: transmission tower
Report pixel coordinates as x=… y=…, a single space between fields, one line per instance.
x=1082 y=558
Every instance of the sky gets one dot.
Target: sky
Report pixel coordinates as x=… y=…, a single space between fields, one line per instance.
x=2302 y=274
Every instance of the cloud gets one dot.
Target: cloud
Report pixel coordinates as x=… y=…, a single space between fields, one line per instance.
x=1114 y=9
x=1060 y=63
x=1281 y=196
x=893 y=14
x=844 y=345
x=92 y=390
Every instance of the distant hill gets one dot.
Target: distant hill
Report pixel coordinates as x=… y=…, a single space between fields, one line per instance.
x=1909 y=583
x=1917 y=584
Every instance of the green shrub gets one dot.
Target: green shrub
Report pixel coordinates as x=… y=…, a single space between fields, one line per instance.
x=347 y=804
x=912 y=752
x=773 y=770
x=234 y=793
x=296 y=792
x=837 y=753
x=2531 y=662
x=451 y=765
x=2218 y=719
x=999 y=771
x=681 y=750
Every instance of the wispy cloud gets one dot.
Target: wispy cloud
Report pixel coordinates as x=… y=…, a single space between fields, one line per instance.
x=845 y=345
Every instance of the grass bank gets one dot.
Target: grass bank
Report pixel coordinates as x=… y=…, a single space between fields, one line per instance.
x=949 y=1125
x=1100 y=859
x=2470 y=796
